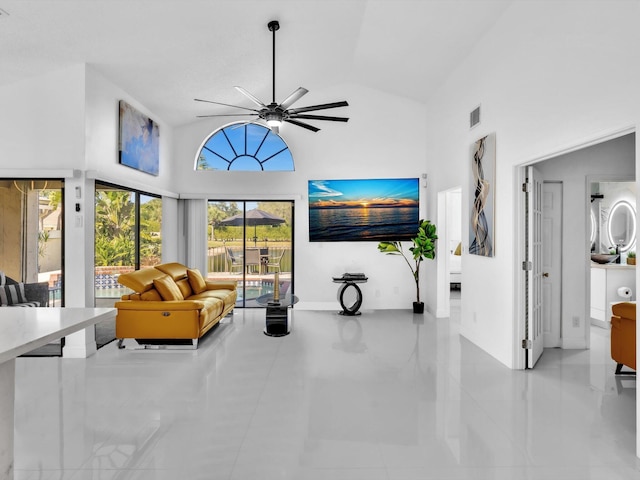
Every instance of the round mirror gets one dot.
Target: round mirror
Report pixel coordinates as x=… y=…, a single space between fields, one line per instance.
x=622 y=225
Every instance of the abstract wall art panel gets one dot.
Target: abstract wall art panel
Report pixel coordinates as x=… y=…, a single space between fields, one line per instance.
x=139 y=142
x=482 y=196
x=363 y=210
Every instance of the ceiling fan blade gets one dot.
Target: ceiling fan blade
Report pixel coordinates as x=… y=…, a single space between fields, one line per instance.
x=226 y=104
x=250 y=96
x=229 y=115
x=293 y=98
x=303 y=125
x=320 y=117
x=319 y=107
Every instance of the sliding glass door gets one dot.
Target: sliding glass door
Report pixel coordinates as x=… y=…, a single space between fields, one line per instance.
x=127 y=237
x=248 y=243
x=31 y=233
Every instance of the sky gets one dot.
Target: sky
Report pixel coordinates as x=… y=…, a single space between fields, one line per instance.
x=364 y=193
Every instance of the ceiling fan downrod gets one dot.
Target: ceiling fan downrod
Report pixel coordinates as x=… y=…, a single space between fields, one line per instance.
x=276 y=113
x=274 y=26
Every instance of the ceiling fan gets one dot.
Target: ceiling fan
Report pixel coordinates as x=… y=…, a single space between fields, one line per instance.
x=274 y=114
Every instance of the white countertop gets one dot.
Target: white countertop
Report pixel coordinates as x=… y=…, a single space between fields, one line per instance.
x=614 y=266
x=23 y=329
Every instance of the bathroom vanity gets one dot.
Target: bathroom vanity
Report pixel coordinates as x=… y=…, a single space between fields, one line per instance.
x=605 y=281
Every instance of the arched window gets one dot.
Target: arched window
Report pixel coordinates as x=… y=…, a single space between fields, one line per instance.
x=244 y=147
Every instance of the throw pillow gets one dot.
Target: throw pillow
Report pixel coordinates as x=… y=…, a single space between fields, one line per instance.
x=12 y=294
x=197 y=282
x=167 y=288
x=3 y=279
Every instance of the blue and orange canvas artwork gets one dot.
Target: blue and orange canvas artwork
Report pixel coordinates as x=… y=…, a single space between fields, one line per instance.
x=363 y=210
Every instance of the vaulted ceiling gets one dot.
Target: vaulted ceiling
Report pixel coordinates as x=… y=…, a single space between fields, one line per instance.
x=165 y=53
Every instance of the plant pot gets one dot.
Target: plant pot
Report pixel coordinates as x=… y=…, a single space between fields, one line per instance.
x=418 y=307
x=631 y=261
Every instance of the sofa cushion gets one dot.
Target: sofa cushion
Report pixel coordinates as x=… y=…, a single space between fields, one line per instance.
x=228 y=297
x=12 y=294
x=212 y=308
x=3 y=278
x=198 y=284
x=141 y=280
x=167 y=288
x=151 y=296
x=175 y=270
x=185 y=287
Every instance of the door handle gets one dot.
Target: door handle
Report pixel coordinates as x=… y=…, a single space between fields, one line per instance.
x=545 y=274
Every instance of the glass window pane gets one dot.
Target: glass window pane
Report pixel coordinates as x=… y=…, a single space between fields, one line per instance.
x=246 y=164
x=114 y=239
x=150 y=231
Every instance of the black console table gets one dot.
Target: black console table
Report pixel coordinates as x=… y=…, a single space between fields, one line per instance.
x=350 y=280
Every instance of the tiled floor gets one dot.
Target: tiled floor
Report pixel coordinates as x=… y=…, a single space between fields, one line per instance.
x=383 y=396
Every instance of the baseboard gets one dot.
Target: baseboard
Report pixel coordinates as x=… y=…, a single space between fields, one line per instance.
x=600 y=323
x=71 y=351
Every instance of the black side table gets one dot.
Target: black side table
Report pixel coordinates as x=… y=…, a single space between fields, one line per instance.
x=277 y=324
x=349 y=280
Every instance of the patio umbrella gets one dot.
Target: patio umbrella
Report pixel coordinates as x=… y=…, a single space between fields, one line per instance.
x=253 y=217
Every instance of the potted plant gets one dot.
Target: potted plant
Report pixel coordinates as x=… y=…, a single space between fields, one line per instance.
x=631 y=257
x=424 y=246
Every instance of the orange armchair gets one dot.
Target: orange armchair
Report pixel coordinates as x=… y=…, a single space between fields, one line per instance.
x=623 y=335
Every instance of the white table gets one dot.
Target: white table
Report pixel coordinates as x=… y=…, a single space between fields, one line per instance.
x=22 y=330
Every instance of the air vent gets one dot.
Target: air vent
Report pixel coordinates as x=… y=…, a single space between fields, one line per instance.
x=474 y=117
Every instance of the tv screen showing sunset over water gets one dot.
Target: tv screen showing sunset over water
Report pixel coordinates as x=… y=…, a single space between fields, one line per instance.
x=363 y=210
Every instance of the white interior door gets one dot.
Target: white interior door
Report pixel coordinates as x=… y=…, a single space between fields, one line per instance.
x=552 y=263
x=534 y=296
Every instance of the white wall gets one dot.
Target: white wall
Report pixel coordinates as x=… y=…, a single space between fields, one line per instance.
x=375 y=143
x=102 y=123
x=615 y=158
x=549 y=76
x=42 y=122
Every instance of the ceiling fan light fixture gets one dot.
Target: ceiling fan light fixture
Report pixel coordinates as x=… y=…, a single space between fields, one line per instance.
x=274 y=119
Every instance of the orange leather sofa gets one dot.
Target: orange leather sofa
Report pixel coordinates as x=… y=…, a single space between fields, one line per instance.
x=623 y=335
x=172 y=306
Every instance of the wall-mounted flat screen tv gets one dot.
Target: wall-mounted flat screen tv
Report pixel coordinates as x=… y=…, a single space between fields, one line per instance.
x=363 y=210
x=139 y=140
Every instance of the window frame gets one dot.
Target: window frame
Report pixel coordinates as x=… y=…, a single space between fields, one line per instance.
x=269 y=138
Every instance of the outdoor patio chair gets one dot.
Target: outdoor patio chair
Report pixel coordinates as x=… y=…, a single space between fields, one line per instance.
x=235 y=261
x=274 y=262
x=37 y=294
x=252 y=260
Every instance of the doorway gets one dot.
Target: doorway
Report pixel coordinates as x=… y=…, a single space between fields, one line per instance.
x=610 y=156
x=449 y=266
x=251 y=243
